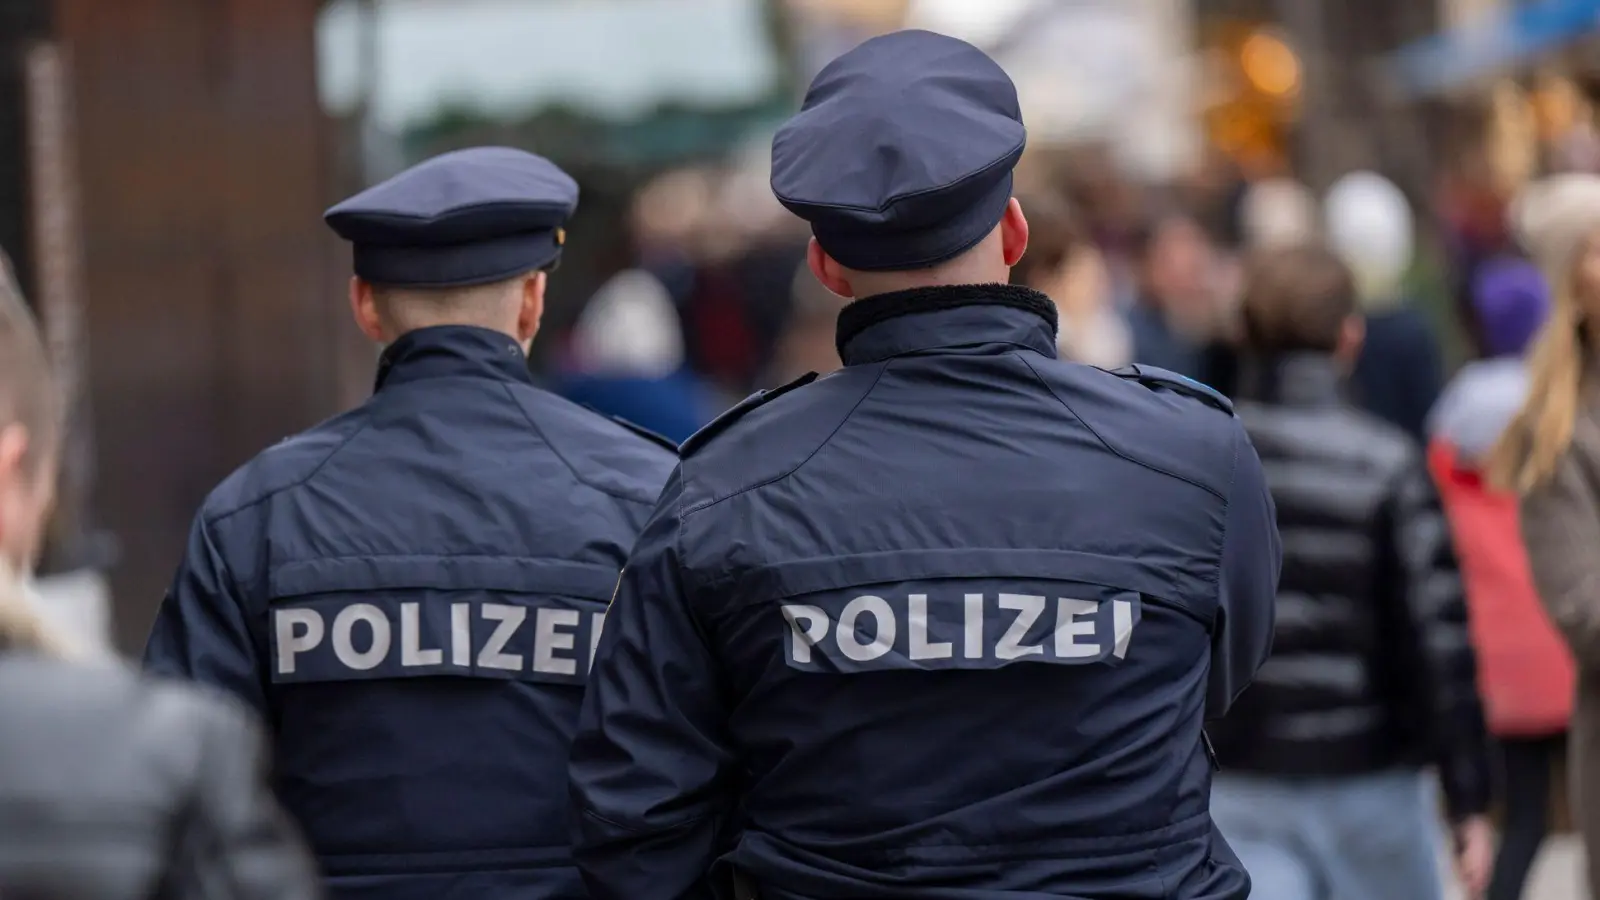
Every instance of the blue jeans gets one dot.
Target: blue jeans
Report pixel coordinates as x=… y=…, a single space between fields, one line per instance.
x=1362 y=837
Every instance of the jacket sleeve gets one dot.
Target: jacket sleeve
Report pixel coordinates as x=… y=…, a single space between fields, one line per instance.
x=1561 y=528
x=649 y=772
x=200 y=632
x=1252 y=555
x=236 y=841
x=1435 y=640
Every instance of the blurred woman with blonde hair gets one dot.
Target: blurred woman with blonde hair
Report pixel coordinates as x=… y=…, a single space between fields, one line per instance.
x=1550 y=455
x=112 y=785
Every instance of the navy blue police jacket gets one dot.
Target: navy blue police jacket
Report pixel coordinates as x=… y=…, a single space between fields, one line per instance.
x=943 y=624
x=410 y=593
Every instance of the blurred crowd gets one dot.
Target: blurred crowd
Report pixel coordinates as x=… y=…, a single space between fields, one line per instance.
x=719 y=304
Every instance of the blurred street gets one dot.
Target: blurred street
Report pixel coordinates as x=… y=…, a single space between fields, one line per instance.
x=1557 y=875
x=1410 y=380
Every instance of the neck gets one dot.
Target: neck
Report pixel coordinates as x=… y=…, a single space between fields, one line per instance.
x=399 y=331
x=873 y=284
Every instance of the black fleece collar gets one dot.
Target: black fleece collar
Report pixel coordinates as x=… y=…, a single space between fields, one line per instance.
x=887 y=324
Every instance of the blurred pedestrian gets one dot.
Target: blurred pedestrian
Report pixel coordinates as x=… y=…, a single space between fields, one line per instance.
x=778 y=704
x=112 y=786
x=808 y=342
x=1064 y=265
x=1176 y=315
x=1401 y=369
x=1277 y=214
x=1525 y=673
x=627 y=359
x=412 y=590
x=1550 y=454
x=1323 y=790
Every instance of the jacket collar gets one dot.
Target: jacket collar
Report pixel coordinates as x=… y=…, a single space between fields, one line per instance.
x=1292 y=379
x=876 y=328
x=444 y=351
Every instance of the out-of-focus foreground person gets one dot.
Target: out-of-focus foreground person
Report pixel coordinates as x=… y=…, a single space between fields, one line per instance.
x=411 y=591
x=1550 y=454
x=946 y=623
x=1323 y=790
x=112 y=786
x=1525 y=674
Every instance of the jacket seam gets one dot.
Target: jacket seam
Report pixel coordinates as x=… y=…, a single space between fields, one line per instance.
x=632 y=830
x=563 y=457
x=1118 y=453
x=299 y=482
x=707 y=504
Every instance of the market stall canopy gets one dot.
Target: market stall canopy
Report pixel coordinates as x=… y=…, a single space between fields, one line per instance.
x=1490 y=44
x=617 y=59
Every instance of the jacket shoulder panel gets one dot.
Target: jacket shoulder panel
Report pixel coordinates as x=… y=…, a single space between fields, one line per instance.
x=654 y=437
x=283 y=466
x=1157 y=379
x=605 y=453
x=772 y=436
x=1162 y=422
x=738 y=411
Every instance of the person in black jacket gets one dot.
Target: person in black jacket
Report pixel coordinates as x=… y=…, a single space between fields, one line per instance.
x=112 y=786
x=1372 y=675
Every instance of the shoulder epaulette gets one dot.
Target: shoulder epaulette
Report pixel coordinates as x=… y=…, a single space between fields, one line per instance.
x=653 y=437
x=720 y=424
x=1150 y=376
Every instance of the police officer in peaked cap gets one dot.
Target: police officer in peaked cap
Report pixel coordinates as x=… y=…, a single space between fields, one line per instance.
x=411 y=592
x=946 y=623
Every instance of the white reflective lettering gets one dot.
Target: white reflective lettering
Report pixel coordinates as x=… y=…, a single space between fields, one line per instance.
x=510 y=619
x=917 y=619
x=1075 y=619
x=411 y=651
x=883 y=632
x=291 y=642
x=1122 y=624
x=461 y=634
x=596 y=626
x=972 y=638
x=547 y=640
x=1029 y=608
x=344 y=647
x=802 y=639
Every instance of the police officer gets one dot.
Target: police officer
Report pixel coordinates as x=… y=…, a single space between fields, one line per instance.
x=947 y=622
x=411 y=591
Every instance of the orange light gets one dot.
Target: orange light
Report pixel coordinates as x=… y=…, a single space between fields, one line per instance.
x=1270 y=65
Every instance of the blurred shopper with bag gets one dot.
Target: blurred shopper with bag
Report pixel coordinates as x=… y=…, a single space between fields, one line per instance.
x=1322 y=791
x=1550 y=455
x=112 y=786
x=1525 y=674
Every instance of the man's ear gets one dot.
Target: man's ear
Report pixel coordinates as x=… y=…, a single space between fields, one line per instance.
x=532 y=309
x=1013 y=233
x=828 y=271
x=364 y=309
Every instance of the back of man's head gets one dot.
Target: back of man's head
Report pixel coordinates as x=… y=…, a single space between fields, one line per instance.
x=1299 y=300
x=901 y=159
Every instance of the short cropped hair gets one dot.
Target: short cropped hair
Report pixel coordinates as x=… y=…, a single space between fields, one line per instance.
x=28 y=394
x=1297 y=299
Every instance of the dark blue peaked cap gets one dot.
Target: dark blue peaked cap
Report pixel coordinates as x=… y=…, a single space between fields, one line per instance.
x=901 y=155
x=469 y=217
